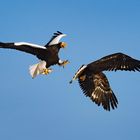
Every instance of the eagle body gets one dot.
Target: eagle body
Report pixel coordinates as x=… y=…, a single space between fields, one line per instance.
x=94 y=82
x=48 y=54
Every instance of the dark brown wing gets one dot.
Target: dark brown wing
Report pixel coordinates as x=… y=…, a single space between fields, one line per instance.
x=39 y=52
x=117 y=61
x=98 y=89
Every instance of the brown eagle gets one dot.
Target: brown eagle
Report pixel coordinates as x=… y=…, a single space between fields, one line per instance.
x=47 y=54
x=94 y=82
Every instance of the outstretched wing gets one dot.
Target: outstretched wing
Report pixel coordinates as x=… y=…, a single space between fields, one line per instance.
x=55 y=38
x=25 y=47
x=117 y=61
x=98 y=89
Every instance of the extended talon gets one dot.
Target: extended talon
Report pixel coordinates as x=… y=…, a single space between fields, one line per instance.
x=47 y=71
x=65 y=62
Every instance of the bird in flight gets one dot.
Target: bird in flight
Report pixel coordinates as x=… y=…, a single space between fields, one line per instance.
x=47 y=54
x=94 y=82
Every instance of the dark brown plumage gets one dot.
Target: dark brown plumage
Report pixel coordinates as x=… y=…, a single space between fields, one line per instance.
x=94 y=83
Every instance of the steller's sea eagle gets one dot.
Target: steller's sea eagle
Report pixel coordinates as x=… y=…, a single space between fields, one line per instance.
x=94 y=82
x=48 y=54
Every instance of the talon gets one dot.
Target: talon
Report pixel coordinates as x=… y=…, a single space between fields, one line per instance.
x=65 y=63
x=47 y=71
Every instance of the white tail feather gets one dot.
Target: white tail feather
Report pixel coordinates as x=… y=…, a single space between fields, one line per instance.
x=37 y=69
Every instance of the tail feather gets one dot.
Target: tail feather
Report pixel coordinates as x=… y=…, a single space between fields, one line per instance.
x=37 y=69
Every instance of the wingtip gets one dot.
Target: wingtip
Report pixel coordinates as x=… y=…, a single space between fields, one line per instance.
x=59 y=32
x=70 y=82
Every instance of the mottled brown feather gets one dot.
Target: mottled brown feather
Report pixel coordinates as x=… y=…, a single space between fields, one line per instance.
x=96 y=86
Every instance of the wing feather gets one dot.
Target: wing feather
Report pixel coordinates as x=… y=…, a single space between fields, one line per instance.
x=114 y=62
x=96 y=86
x=25 y=47
x=55 y=38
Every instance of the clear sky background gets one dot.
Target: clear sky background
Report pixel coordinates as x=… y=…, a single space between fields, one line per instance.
x=48 y=107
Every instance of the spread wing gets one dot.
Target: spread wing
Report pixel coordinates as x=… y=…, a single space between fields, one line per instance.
x=98 y=89
x=117 y=61
x=55 y=38
x=25 y=47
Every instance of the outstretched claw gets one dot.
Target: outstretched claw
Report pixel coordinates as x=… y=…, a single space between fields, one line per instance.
x=47 y=71
x=63 y=63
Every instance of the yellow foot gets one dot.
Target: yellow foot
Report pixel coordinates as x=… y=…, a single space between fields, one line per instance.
x=47 y=71
x=64 y=63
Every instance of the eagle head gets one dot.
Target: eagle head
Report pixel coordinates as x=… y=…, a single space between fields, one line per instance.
x=78 y=73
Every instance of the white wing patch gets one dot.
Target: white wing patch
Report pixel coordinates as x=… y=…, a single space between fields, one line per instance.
x=37 y=69
x=29 y=44
x=56 y=39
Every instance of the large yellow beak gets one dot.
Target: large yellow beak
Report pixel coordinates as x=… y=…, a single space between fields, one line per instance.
x=63 y=44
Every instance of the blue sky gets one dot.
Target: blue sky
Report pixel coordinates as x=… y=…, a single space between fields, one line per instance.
x=47 y=107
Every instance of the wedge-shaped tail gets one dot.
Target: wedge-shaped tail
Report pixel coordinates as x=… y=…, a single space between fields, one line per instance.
x=37 y=69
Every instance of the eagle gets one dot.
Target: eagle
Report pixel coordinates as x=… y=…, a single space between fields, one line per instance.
x=48 y=54
x=94 y=82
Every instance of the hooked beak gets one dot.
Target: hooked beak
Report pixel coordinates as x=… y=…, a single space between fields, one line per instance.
x=63 y=44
